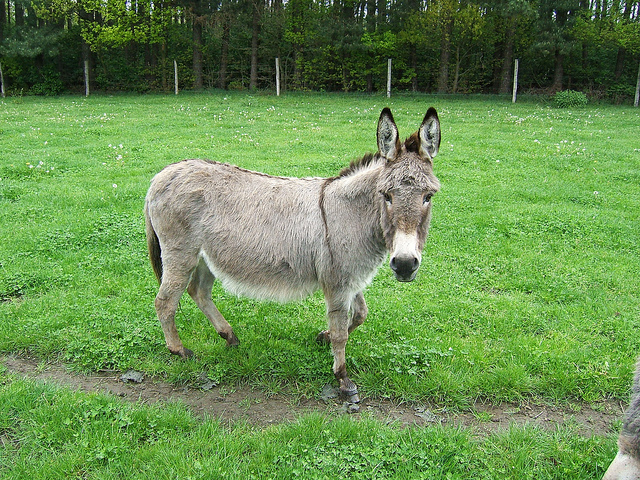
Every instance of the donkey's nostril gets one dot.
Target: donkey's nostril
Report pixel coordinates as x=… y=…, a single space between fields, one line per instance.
x=404 y=267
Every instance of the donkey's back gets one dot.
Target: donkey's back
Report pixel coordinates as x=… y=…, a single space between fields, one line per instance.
x=261 y=236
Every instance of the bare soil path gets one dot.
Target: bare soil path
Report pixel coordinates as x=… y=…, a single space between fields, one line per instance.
x=261 y=410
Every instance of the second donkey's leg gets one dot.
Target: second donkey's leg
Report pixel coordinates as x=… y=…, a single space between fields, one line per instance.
x=200 y=290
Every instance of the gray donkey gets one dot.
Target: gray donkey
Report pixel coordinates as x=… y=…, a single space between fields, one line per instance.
x=282 y=238
x=626 y=465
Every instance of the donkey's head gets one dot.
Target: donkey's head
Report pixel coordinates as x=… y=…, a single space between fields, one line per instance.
x=406 y=186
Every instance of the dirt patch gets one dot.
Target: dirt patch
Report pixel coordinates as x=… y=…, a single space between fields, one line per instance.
x=261 y=410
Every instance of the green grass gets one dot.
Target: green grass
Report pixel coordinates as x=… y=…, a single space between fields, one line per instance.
x=528 y=287
x=50 y=433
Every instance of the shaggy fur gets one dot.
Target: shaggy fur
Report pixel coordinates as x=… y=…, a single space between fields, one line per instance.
x=626 y=465
x=282 y=238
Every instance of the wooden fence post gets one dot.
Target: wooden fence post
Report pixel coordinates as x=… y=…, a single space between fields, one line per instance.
x=175 y=76
x=515 y=82
x=1 y=82
x=635 y=102
x=277 y=76
x=86 y=78
x=389 y=78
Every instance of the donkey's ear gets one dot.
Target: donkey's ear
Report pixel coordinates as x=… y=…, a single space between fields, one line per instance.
x=430 y=133
x=388 y=143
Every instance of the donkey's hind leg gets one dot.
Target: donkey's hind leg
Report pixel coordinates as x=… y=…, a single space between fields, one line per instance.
x=200 y=290
x=175 y=278
x=359 y=311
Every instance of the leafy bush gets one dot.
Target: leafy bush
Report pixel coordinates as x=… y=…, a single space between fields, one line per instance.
x=570 y=98
x=620 y=92
x=49 y=84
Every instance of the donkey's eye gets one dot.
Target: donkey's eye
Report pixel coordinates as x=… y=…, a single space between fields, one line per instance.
x=427 y=198
x=387 y=198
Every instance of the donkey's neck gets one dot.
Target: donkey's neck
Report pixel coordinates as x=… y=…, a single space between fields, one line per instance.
x=352 y=201
x=359 y=180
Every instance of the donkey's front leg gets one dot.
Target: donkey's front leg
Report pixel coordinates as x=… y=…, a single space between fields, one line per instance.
x=339 y=334
x=359 y=312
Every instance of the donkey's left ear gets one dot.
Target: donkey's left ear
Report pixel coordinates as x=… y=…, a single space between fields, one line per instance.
x=388 y=143
x=430 y=133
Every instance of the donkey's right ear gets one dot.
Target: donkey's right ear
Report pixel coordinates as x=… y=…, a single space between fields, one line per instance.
x=430 y=133
x=388 y=143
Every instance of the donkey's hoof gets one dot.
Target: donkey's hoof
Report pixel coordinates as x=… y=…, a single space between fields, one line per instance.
x=187 y=353
x=232 y=340
x=348 y=391
x=183 y=352
x=323 y=338
x=350 y=396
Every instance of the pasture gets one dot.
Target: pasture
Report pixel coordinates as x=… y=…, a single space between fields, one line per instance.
x=528 y=291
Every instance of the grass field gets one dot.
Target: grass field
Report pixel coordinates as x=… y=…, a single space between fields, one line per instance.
x=528 y=290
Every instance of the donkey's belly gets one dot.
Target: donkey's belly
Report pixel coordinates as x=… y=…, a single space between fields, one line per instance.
x=278 y=281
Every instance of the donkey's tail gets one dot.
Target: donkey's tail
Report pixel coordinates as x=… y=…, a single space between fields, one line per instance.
x=153 y=244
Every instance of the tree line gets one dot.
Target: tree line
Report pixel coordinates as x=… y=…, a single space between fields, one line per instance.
x=443 y=46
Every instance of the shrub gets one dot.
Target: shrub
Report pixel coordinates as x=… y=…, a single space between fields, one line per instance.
x=570 y=98
x=621 y=92
x=49 y=84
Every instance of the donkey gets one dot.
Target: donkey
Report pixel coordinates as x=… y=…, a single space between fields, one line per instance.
x=626 y=464
x=281 y=238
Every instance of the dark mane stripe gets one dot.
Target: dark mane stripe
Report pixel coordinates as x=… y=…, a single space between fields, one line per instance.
x=411 y=144
x=357 y=165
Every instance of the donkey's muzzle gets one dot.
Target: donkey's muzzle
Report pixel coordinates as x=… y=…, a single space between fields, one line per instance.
x=405 y=268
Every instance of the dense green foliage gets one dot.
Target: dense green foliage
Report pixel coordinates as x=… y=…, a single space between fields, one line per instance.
x=570 y=98
x=444 y=46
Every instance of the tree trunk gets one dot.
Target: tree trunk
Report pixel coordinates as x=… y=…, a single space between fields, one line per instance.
x=19 y=13
x=456 y=75
x=224 y=53
x=507 y=58
x=297 y=59
x=445 y=55
x=3 y=19
x=1 y=82
x=558 y=73
x=87 y=65
x=382 y=12
x=637 y=97
x=164 y=64
x=619 y=63
x=371 y=16
x=413 y=60
x=197 y=53
x=255 y=30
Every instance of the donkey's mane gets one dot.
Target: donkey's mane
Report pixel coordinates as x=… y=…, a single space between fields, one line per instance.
x=411 y=144
x=360 y=164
